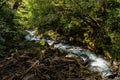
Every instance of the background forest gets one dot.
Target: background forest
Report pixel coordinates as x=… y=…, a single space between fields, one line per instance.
x=93 y=24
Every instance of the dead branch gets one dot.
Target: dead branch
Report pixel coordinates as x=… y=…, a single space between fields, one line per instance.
x=35 y=63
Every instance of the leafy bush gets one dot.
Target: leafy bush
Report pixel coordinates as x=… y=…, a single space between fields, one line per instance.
x=10 y=33
x=90 y=20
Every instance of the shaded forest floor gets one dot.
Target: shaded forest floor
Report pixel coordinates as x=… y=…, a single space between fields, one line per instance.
x=48 y=64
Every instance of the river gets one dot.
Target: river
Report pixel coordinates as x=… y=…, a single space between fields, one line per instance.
x=96 y=63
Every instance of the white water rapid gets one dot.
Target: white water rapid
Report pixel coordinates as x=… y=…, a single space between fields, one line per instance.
x=96 y=63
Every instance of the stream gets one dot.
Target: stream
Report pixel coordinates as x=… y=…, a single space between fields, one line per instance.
x=96 y=63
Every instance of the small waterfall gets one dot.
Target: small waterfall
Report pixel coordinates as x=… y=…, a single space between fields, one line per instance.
x=96 y=63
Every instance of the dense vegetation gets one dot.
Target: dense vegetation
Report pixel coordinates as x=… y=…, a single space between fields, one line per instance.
x=93 y=24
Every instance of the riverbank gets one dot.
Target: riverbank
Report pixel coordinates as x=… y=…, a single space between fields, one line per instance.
x=28 y=65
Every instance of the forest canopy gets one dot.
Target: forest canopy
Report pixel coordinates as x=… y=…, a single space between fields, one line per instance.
x=93 y=24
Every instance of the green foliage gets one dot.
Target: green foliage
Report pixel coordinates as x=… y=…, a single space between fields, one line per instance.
x=10 y=33
x=23 y=14
x=90 y=20
x=115 y=48
x=41 y=44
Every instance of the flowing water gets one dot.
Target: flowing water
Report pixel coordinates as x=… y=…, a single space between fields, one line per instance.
x=95 y=63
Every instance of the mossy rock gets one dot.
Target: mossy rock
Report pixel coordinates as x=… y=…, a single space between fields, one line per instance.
x=42 y=44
